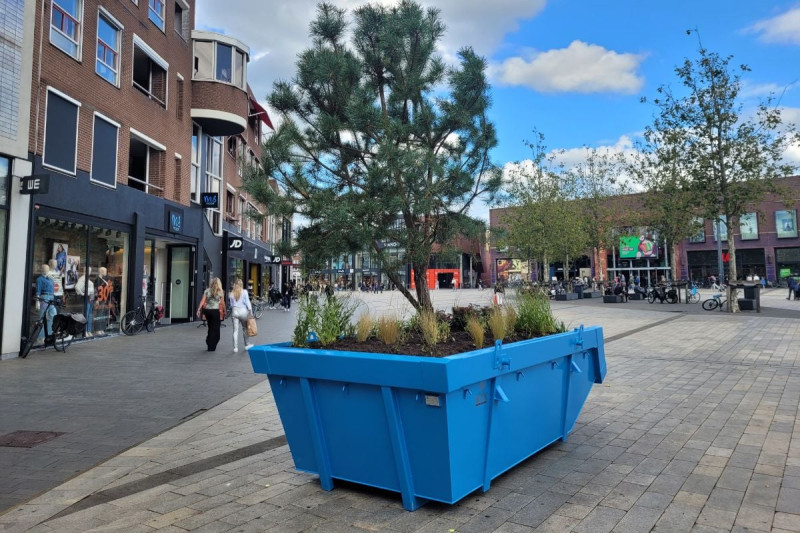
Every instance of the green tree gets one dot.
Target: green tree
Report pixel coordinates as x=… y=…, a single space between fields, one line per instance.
x=597 y=181
x=545 y=222
x=728 y=160
x=381 y=145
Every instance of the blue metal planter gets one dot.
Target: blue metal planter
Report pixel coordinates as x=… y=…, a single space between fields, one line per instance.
x=429 y=428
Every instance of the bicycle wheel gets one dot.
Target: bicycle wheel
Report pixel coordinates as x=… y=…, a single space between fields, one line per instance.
x=131 y=323
x=694 y=298
x=61 y=341
x=37 y=328
x=258 y=310
x=672 y=297
x=651 y=297
x=710 y=304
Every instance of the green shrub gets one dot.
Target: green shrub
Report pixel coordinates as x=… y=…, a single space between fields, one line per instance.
x=535 y=317
x=330 y=320
x=307 y=321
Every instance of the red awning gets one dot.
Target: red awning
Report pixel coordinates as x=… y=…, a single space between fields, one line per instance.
x=262 y=113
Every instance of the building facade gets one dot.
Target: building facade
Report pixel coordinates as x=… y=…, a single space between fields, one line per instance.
x=766 y=241
x=130 y=114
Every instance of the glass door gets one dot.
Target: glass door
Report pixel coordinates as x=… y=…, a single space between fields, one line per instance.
x=180 y=278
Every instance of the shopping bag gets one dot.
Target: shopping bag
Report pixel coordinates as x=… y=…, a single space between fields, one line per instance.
x=252 y=327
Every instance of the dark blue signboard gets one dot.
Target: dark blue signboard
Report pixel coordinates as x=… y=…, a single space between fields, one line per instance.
x=209 y=200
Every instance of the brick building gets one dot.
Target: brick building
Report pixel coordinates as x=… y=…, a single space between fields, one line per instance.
x=130 y=114
x=767 y=245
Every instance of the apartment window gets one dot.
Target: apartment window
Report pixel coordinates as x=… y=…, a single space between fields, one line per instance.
x=146 y=164
x=195 y=184
x=65 y=26
x=155 y=13
x=230 y=204
x=251 y=223
x=177 y=186
x=242 y=204
x=181 y=20
x=232 y=145
x=61 y=132
x=108 y=38
x=221 y=62
x=224 y=59
x=105 y=138
x=149 y=72
x=214 y=179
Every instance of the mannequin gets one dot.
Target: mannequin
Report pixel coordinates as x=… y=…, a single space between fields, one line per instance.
x=58 y=281
x=45 y=291
x=103 y=288
x=85 y=287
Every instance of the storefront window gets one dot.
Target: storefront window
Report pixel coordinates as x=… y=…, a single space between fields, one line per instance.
x=108 y=259
x=59 y=253
x=235 y=271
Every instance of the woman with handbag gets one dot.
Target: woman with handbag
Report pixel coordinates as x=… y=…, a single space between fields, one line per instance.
x=212 y=306
x=241 y=311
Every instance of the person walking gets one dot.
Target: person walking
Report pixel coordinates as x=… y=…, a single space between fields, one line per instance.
x=241 y=310
x=792 y=288
x=212 y=306
x=287 y=294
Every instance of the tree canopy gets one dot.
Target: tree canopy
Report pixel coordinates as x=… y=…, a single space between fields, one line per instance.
x=382 y=145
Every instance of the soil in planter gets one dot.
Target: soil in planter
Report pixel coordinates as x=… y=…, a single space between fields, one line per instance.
x=458 y=342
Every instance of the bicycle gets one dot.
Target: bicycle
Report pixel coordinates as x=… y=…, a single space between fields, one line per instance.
x=694 y=295
x=60 y=337
x=663 y=293
x=258 y=307
x=715 y=301
x=133 y=321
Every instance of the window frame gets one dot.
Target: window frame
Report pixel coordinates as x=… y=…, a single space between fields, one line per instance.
x=117 y=25
x=196 y=153
x=151 y=144
x=158 y=60
x=73 y=172
x=211 y=177
x=212 y=74
x=101 y=116
x=78 y=40
x=162 y=17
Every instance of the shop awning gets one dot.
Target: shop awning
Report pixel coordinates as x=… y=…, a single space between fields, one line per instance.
x=261 y=113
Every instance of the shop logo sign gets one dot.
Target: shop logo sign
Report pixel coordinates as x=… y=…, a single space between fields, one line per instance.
x=235 y=244
x=209 y=200
x=176 y=222
x=38 y=184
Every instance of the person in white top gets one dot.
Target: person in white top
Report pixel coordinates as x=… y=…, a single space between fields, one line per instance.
x=85 y=287
x=241 y=310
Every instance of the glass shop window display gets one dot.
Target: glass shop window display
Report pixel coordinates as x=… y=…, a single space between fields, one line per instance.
x=108 y=259
x=59 y=254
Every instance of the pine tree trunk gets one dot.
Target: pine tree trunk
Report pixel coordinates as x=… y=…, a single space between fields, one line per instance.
x=420 y=273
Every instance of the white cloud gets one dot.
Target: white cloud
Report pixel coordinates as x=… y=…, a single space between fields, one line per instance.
x=761 y=90
x=277 y=32
x=784 y=28
x=581 y=68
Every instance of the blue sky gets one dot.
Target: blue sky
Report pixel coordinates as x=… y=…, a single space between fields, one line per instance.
x=573 y=69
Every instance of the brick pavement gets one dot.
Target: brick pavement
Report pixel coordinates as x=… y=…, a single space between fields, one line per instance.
x=696 y=428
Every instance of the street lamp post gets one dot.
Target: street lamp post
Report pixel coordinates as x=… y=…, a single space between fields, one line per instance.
x=718 y=235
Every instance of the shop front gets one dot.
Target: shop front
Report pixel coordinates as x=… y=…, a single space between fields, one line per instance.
x=168 y=276
x=83 y=267
x=248 y=260
x=787 y=262
x=5 y=175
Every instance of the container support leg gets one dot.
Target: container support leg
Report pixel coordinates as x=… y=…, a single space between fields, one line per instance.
x=314 y=424
x=400 y=451
x=565 y=410
x=487 y=478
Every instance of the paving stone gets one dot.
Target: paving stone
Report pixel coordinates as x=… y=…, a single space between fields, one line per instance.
x=638 y=519
x=755 y=517
x=601 y=519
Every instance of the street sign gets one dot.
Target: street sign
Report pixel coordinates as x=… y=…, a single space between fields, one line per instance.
x=37 y=184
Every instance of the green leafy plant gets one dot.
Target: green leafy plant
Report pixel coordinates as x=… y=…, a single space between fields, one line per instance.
x=535 y=317
x=388 y=330
x=307 y=321
x=365 y=327
x=476 y=331
x=335 y=320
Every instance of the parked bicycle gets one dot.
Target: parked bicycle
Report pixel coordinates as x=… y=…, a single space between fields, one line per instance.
x=662 y=293
x=133 y=321
x=693 y=295
x=714 y=302
x=65 y=327
x=258 y=307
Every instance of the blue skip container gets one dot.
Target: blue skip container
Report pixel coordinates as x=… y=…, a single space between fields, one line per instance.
x=429 y=428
